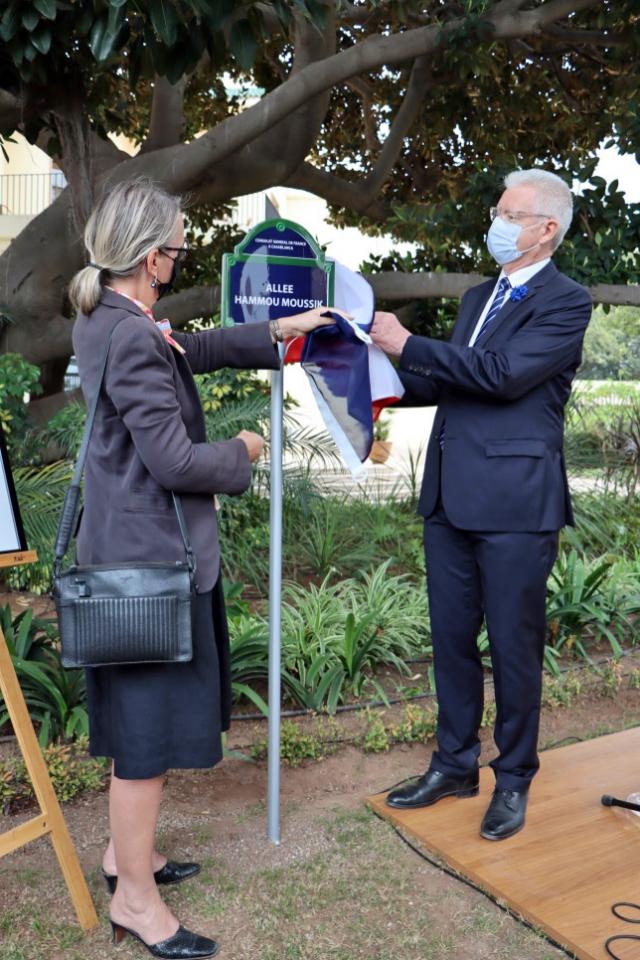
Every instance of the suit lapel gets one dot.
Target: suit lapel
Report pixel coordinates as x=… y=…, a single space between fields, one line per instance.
x=511 y=306
x=470 y=313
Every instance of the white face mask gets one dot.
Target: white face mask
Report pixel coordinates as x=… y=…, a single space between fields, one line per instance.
x=502 y=241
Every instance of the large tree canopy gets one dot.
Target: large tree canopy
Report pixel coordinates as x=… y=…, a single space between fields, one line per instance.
x=402 y=114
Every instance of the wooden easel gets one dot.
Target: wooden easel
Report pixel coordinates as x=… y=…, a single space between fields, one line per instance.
x=50 y=821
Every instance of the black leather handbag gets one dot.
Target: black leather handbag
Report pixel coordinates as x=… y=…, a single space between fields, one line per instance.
x=120 y=613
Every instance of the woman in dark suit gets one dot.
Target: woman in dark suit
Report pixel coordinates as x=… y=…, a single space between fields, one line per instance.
x=149 y=439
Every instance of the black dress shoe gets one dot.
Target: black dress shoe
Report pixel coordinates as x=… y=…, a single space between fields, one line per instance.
x=172 y=872
x=430 y=788
x=505 y=815
x=183 y=945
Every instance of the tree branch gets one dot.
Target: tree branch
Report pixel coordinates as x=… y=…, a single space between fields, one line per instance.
x=413 y=98
x=590 y=37
x=167 y=121
x=43 y=409
x=569 y=97
x=390 y=285
x=366 y=94
x=362 y=195
x=181 y=167
x=340 y=193
x=394 y=285
x=10 y=110
x=186 y=305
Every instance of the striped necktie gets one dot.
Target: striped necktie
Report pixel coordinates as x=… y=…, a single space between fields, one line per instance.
x=498 y=301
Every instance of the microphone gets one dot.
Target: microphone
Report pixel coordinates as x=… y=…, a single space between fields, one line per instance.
x=608 y=801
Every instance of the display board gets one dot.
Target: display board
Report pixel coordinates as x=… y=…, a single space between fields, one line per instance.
x=12 y=538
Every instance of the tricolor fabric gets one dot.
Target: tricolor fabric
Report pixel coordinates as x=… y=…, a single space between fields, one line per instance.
x=352 y=380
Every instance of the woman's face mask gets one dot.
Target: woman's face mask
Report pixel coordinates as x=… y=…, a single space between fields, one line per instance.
x=177 y=255
x=166 y=287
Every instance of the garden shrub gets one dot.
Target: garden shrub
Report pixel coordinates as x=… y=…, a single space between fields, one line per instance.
x=71 y=770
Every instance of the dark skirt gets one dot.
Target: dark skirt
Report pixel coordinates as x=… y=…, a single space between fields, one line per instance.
x=150 y=718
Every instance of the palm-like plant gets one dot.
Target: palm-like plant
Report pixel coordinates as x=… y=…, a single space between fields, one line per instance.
x=54 y=696
x=40 y=492
x=579 y=603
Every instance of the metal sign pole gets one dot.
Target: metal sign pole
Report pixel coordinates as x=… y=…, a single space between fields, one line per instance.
x=277 y=270
x=275 y=597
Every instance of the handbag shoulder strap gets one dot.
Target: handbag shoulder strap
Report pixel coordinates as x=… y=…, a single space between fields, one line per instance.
x=69 y=512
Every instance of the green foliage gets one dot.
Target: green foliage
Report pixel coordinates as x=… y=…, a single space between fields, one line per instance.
x=489 y=714
x=603 y=433
x=612 y=345
x=621 y=450
x=584 y=606
x=301 y=741
x=65 y=429
x=326 y=544
x=334 y=639
x=72 y=773
x=296 y=746
x=249 y=639
x=634 y=679
x=233 y=400
x=54 y=696
x=18 y=379
x=164 y=36
x=27 y=636
x=40 y=492
x=562 y=690
x=611 y=678
x=418 y=725
x=375 y=738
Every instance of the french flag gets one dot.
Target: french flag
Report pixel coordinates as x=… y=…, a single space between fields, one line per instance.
x=351 y=378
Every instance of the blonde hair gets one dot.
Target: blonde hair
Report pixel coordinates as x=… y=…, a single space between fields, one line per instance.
x=132 y=219
x=553 y=196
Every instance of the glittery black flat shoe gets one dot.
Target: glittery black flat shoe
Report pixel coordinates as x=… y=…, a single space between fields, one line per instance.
x=172 y=872
x=183 y=945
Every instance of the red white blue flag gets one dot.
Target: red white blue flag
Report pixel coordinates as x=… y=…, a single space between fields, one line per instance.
x=352 y=380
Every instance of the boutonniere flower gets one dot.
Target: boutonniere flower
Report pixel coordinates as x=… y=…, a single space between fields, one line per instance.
x=519 y=293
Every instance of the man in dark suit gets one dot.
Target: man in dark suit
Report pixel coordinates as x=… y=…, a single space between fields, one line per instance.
x=495 y=491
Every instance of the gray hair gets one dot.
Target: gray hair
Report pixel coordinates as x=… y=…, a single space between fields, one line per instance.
x=131 y=220
x=553 y=197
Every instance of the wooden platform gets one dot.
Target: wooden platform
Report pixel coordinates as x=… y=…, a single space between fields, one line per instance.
x=573 y=859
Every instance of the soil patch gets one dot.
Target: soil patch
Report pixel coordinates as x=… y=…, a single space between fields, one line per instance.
x=341 y=886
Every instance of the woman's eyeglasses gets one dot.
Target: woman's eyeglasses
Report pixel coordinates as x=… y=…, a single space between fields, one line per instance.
x=180 y=253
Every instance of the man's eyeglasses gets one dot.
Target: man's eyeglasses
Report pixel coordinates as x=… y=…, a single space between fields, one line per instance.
x=180 y=253
x=512 y=216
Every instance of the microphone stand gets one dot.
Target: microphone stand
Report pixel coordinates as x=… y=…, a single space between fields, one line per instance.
x=608 y=801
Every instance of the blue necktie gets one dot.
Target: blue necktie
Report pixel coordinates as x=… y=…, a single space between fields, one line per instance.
x=494 y=309
x=498 y=300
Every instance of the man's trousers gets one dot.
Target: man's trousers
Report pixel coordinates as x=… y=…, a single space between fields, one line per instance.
x=501 y=576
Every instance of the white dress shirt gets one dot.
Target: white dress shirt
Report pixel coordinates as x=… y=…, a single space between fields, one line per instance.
x=516 y=279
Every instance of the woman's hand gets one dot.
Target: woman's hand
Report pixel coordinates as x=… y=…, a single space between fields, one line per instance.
x=253 y=442
x=301 y=323
x=388 y=333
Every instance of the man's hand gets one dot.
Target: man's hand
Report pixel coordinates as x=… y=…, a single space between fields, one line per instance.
x=253 y=442
x=388 y=333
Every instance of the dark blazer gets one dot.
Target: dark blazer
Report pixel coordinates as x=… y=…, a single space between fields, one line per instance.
x=149 y=436
x=502 y=400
